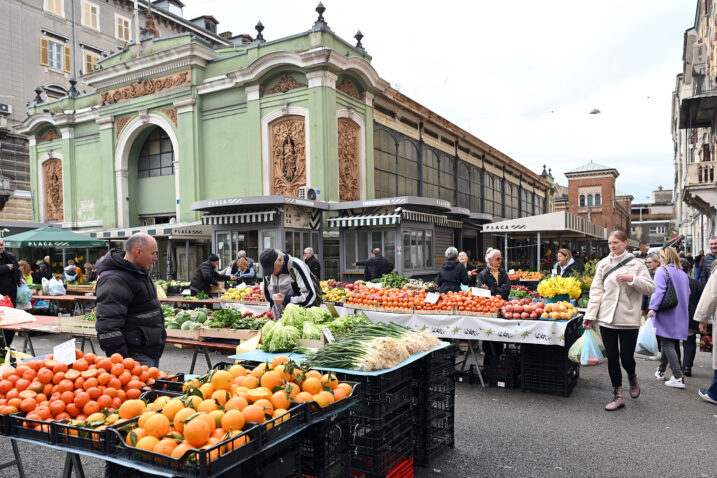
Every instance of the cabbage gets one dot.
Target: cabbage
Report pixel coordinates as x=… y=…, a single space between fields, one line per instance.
x=183 y=317
x=311 y=331
x=267 y=327
x=293 y=315
x=199 y=315
x=172 y=325
x=318 y=315
x=189 y=325
x=279 y=339
x=293 y=331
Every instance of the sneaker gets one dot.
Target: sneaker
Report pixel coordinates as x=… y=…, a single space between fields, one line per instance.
x=675 y=382
x=702 y=392
x=659 y=375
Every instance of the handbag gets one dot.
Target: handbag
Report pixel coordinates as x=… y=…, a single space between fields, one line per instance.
x=669 y=300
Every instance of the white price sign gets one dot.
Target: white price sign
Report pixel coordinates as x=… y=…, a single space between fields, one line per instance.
x=480 y=292
x=329 y=336
x=374 y=285
x=241 y=286
x=65 y=352
x=432 y=297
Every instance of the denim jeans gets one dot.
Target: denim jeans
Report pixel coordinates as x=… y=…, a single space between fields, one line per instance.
x=144 y=360
x=670 y=353
x=712 y=391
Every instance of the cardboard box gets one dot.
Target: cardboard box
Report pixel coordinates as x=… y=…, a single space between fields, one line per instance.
x=313 y=344
x=183 y=334
x=77 y=326
x=233 y=334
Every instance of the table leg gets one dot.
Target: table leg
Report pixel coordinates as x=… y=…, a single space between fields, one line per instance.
x=72 y=460
x=194 y=359
x=16 y=462
x=206 y=356
x=480 y=374
x=28 y=344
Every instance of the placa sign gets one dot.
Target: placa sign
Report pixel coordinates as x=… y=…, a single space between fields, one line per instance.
x=480 y=292
x=65 y=352
x=432 y=297
x=329 y=336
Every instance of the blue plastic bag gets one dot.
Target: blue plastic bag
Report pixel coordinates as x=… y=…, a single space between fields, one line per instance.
x=590 y=353
x=24 y=294
x=647 y=339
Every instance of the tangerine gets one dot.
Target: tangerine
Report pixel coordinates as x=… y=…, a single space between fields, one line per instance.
x=157 y=425
x=254 y=414
x=221 y=380
x=147 y=443
x=197 y=432
x=233 y=420
x=312 y=385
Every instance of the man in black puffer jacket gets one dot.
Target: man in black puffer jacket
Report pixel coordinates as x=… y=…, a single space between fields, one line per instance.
x=207 y=276
x=129 y=315
x=376 y=266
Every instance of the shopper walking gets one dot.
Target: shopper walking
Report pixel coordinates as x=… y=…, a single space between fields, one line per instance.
x=10 y=279
x=652 y=262
x=376 y=265
x=705 y=308
x=565 y=264
x=671 y=324
x=615 y=296
x=313 y=263
x=452 y=273
x=707 y=260
x=690 y=345
x=129 y=315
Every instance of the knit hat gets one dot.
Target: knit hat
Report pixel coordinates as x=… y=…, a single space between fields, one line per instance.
x=267 y=260
x=213 y=258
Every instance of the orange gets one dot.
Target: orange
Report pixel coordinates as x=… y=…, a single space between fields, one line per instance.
x=265 y=405
x=280 y=412
x=346 y=387
x=259 y=370
x=221 y=396
x=294 y=389
x=313 y=373
x=329 y=396
x=235 y=443
x=144 y=417
x=208 y=419
x=180 y=416
x=258 y=393
x=134 y=436
x=157 y=425
x=312 y=385
x=207 y=406
x=279 y=359
x=197 y=432
x=28 y=405
x=172 y=407
x=221 y=380
x=303 y=397
x=181 y=449
x=280 y=399
x=116 y=358
x=270 y=379
x=250 y=382
x=237 y=371
x=90 y=408
x=207 y=389
x=147 y=443
x=165 y=446
x=339 y=393
x=233 y=420
x=252 y=413
x=321 y=400
x=217 y=415
x=329 y=380
x=235 y=403
x=131 y=408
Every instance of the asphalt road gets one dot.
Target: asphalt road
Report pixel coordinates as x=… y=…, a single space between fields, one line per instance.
x=508 y=433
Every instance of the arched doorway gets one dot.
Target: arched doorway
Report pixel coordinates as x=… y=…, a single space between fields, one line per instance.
x=151 y=178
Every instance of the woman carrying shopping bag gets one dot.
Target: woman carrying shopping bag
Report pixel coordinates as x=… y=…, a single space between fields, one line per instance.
x=615 y=298
x=671 y=319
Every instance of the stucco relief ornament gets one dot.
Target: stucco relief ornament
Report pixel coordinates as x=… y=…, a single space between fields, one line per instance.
x=145 y=87
x=348 y=160
x=50 y=135
x=348 y=87
x=285 y=83
x=53 y=190
x=288 y=157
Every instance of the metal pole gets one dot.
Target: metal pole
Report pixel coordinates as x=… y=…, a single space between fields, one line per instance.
x=537 y=259
x=505 y=241
x=186 y=257
x=64 y=257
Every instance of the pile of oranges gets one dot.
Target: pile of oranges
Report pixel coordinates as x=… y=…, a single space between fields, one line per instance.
x=49 y=390
x=387 y=297
x=216 y=407
x=466 y=301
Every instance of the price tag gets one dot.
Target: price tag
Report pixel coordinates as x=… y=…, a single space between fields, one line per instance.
x=374 y=285
x=241 y=286
x=480 y=292
x=512 y=271
x=65 y=352
x=329 y=336
x=432 y=297
x=331 y=308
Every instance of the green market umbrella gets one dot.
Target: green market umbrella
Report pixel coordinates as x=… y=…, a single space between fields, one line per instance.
x=50 y=236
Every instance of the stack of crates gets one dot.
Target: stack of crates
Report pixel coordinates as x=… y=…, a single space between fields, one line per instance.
x=380 y=425
x=504 y=371
x=547 y=369
x=325 y=448
x=434 y=400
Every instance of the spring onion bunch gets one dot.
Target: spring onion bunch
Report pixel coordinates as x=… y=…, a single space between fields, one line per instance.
x=373 y=347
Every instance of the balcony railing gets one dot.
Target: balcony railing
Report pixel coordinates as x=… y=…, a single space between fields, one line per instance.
x=701 y=174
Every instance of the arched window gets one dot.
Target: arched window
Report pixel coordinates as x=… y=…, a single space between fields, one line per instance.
x=385 y=164
x=447 y=178
x=582 y=200
x=430 y=174
x=407 y=168
x=157 y=156
x=597 y=199
x=590 y=199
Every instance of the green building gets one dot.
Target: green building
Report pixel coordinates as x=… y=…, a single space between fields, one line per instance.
x=183 y=139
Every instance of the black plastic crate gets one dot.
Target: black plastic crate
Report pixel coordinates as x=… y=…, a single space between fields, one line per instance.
x=151 y=395
x=4 y=424
x=373 y=385
x=66 y=435
x=283 y=460
x=432 y=439
x=279 y=427
x=372 y=463
x=382 y=404
x=172 y=384
x=378 y=433
x=551 y=380
x=435 y=402
x=325 y=443
x=25 y=428
x=339 y=469
x=241 y=447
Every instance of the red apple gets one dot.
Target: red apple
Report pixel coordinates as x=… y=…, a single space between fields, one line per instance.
x=524 y=315
x=518 y=308
x=534 y=315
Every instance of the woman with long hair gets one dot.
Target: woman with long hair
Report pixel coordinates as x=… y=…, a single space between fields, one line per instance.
x=615 y=301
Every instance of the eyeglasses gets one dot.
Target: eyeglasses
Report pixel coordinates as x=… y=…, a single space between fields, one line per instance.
x=498 y=258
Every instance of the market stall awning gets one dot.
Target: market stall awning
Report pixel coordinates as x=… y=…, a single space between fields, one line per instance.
x=561 y=222
x=188 y=230
x=239 y=217
x=365 y=220
x=50 y=236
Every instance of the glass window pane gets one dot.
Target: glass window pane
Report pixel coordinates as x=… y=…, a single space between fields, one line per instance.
x=143 y=174
x=406 y=249
x=166 y=171
x=429 y=249
x=363 y=245
x=420 y=250
x=224 y=247
x=389 y=246
x=376 y=240
x=165 y=145
x=166 y=160
x=350 y=249
x=154 y=173
x=154 y=161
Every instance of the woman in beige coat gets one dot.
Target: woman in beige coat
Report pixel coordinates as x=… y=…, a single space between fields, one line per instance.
x=615 y=300
x=705 y=308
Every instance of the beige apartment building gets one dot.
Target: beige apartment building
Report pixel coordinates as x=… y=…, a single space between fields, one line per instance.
x=45 y=45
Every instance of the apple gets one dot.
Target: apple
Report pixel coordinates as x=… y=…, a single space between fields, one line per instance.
x=509 y=307
x=534 y=315
x=540 y=305
x=539 y=310
x=524 y=315
x=518 y=308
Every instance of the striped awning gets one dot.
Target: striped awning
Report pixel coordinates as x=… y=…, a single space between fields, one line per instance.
x=454 y=224
x=416 y=216
x=239 y=218
x=156 y=230
x=366 y=220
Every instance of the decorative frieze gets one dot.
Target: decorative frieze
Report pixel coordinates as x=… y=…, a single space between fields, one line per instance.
x=348 y=142
x=348 y=87
x=170 y=113
x=146 y=87
x=285 y=83
x=120 y=124
x=288 y=155
x=52 y=172
x=49 y=135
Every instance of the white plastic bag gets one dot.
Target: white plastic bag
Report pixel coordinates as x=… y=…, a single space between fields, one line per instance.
x=11 y=316
x=46 y=286
x=56 y=288
x=647 y=339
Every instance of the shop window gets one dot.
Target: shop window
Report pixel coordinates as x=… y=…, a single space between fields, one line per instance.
x=498 y=203
x=417 y=250
x=512 y=200
x=359 y=244
x=431 y=186
x=157 y=156
x=582 y=200
x=488 y=189
x=526 y=203
x=447 y=178
x=475 y=190
x=538 y=204
x=597 y=200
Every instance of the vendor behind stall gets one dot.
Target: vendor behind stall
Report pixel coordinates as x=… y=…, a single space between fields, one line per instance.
x=565 y=264
x=376 y=265
x=287 y=280
x=452 y=273
x=494 y=277
x=207 y=276
x=245 y=271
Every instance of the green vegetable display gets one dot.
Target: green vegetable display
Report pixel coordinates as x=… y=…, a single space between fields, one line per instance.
x=92 y=316
x=294 y=315
x=395 y=281
x=280 y=339
x=310 y=331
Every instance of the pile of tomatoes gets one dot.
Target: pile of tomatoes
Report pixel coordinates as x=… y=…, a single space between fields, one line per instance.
x=50 y=390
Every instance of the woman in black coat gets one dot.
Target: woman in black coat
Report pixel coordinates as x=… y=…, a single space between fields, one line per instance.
x=494 y=277
x=452 y=273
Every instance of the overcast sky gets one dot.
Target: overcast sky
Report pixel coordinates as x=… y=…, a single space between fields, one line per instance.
x=520 y=75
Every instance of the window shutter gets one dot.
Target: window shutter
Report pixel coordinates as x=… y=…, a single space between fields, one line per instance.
x=44 y=52
x=66 y=59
